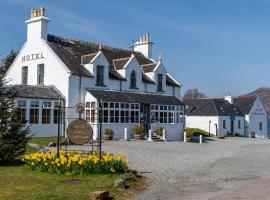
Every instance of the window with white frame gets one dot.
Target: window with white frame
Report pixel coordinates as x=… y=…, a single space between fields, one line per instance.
x=166 y=114
x=55 y=112
x=22 y=109
x=114 y=112
x=46 y=112
x=34 y=112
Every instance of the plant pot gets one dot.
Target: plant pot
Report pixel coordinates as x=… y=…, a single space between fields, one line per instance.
x=189 y=139
x=107 y=137
x=138 y=137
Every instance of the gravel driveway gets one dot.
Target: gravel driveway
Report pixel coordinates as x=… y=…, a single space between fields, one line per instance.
x=233 y=168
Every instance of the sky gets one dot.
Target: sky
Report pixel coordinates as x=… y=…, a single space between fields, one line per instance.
x=217 y=46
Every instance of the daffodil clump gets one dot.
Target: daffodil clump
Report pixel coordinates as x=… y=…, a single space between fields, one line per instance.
x=75 y=163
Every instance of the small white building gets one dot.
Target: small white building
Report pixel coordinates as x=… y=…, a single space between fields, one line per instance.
x=255 y=115
x=133 y=87
x=216 y=116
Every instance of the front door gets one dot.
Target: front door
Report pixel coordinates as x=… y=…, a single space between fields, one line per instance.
x=145 y=117
x=232 y=127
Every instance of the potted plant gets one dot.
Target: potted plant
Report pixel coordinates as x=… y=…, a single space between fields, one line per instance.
x=108 y=134
x=137 y=131
x=159 y=131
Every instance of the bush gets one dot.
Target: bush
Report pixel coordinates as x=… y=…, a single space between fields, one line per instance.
x=159 y=131
x=74 y=163
x=237 y=134
x=108 y=132
x=196 y=132
x=137 y=129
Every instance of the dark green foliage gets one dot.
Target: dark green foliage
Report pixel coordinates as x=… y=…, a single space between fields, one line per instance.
x=13 y=135
x=7 y=61
x=196 y=132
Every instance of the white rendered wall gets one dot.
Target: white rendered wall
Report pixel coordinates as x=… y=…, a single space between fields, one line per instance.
x=173 y=131
x=257 y=114
x=224 y=131
x=202 y=122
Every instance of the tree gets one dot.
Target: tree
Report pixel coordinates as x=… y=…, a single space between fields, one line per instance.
x=194 y=94
x=7 y=61
x=13 y=134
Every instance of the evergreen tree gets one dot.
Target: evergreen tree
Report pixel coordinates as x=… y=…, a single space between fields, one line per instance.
x=13 y=134
x=7 y=61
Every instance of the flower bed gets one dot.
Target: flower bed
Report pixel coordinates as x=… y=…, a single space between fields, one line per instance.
x=74 y=163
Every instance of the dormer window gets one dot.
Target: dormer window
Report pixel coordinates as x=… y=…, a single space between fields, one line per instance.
x=159 y=83
x=133 y=80
x=100 y=75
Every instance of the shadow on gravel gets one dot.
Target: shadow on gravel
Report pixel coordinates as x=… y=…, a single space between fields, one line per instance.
x=196 y=139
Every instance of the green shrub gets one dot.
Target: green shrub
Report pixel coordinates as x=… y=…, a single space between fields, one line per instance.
x=159 y=131
x=237 y=134
x=196 y=132
x=109 y=132
x=137 y=129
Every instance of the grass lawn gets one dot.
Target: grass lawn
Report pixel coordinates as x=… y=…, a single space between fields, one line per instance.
x=44 y=140
x=19 y=182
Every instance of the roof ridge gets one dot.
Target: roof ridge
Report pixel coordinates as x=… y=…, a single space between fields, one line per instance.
x=70 y=40
x=90 y=54
x=149 y=64
x=121 y=59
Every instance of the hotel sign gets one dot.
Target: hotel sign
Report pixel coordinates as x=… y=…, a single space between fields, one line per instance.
x=33 y=56
x=79 y=132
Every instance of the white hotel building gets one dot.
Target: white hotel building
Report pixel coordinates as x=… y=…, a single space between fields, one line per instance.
x=134 y=88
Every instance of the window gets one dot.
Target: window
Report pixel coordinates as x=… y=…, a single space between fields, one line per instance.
x=159 y=83
x=239 y=124
x=40 y=74
x=100 y=75
x=224 y=124
x=22 y=110
x=55 y=112
x=167 y=114
x=90 y=111
x=133 y=80
x=261 y=125
x=34 y=112
x=46 y=112
x=24 y=75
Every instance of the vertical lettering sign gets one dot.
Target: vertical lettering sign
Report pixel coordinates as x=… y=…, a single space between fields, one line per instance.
x=33 y=56
x=79 y=132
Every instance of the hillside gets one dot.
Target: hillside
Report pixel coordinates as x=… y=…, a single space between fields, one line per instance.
x=264 y=94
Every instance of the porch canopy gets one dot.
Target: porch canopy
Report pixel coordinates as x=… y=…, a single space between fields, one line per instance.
x=132 y=97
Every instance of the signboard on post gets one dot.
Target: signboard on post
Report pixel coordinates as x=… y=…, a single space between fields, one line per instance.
x=79 y=132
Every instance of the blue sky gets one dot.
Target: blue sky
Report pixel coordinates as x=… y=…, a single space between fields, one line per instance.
x=214 y=45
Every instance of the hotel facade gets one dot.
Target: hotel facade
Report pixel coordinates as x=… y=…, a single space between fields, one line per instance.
x=132 y=87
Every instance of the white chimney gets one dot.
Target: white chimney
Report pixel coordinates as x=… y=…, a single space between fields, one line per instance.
x=144 y=45
x=229 y=98
x=37 y=26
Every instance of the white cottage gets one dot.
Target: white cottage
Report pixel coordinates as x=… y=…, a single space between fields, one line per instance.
x=216 y=116
x=255 y=115
x=133 y=87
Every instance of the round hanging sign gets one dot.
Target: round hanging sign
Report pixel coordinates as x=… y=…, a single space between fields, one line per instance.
x=79 y=132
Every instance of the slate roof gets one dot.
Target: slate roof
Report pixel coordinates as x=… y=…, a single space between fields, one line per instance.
x=129 y=97
x=171 y=82
x=146 y=79
x=245 y=103
x=149 y=67
x=211 y=107
x=120 y=63
x=75 y=53
x=35 y=92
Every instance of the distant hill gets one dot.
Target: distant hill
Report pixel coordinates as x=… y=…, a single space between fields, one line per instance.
x=264 y=95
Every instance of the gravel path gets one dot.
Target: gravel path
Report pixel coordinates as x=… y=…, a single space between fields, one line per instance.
x=219 y=169
x=233 y=168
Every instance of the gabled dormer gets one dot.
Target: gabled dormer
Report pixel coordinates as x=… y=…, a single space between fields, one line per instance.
x=98 y=65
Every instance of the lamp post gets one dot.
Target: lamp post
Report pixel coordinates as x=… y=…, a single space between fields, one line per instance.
x=216 y=130
x=209 y=127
